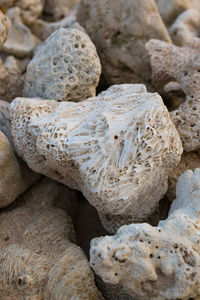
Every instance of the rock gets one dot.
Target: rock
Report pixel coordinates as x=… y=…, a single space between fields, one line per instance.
x=43 y=29
x=189 y=161
x=185 y=27
x=65 y=67
x=20 y=40
x=181 y=65
x=4 y=28
x=119 y=30
x=5 y=125
x=37 y=241
x=116 y=148
x=11 y=79
x=170 y=9
x=156 y=263
x=57 y=9
x=12 y=179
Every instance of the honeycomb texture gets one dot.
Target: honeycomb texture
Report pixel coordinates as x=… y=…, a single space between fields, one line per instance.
x=116 y=148
x=65 y=67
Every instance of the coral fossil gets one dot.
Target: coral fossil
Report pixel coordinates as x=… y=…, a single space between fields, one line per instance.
x=157 y=262
x=180 y=65
x=116 y=148
x=38 y=261
x=65 y=67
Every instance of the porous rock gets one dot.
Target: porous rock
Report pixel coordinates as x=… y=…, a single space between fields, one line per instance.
x=171 y=63
x=185 y=27
x=13 y=181
x=11 y=79
x=37 y=243
x=65 y=67
x=20 y=41
x=116 y=148
x=4 y=28
x=189 y=161
x=171 y=9
x=119 y=30
x=156 y=263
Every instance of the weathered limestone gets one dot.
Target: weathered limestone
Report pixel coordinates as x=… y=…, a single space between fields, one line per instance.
x=65 y=67
x=119 y=30
x=157 y=263
x=181 y=65
x=116 y=148
x=37 y=243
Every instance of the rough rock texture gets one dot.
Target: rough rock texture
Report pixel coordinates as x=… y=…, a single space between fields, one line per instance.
x=171 y=63
x=43 y=29
x=106 y=147
x=36 y=242
x=59 y=8
x=13 y=181
x=5 y=125
x=20 y=40
x=4 y=28
x=65 y=67
x=156 y=263
x=11 y=79
x=119 y=30
x=170 y=9
x=189 y=161
x=185 y=27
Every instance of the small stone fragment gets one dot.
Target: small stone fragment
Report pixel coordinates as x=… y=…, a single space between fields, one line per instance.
x=5 y=125
x=20 y=40
x=57 y=9
x=11 y=79
x=116 y=148
x=157 y=263
x=170 y=9
x=65 y=67
x=119 y=30
x=185 y=27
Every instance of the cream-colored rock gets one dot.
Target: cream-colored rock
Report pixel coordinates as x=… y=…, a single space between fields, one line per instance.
x=116 y=148
x=189 y=161
x=4 y=28
x=182 y=65
x=43 y=29
x=20 y=41
x=65 y=67
x=170 y=9
x=59 y=8
x=156 y=263
x=37 y=243
x=185 y=27
x=11 y=79
x=5 y=125
x=119 y=30
x=13 y=181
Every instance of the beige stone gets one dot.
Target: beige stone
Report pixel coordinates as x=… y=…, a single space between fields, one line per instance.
x=37 y=242
x=170 y=9
x=157 y=263
x=171 y=63
x=119 y=30
x=20 y=41
x=65 y=67
x=116 y=148
x=185 y=27
x=5 y=125
x=13 y=181
x=4 y=28
x=11 y=79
